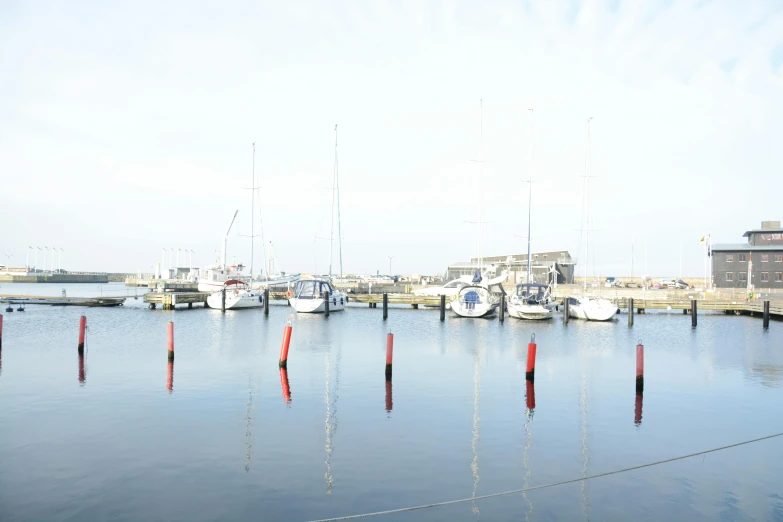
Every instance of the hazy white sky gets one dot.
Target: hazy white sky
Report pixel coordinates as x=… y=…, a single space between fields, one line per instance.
x=126 y=127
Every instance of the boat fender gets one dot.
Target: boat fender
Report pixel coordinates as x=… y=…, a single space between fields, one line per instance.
x=289 y=294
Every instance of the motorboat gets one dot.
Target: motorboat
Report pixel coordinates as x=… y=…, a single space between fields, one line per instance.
x=531 y=301
x=309 y=296
x=238 y=294
x=475 y=300
x=591 y=308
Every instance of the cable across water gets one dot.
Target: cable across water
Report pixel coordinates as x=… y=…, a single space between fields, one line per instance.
x=542 y=486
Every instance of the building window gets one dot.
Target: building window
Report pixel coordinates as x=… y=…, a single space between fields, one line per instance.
x=779 y=277
x=729 y=276
x=765 y=258
x=765 y=277
x=743 y=276
x=729 y=258
x=779 y=258
x=743 y=258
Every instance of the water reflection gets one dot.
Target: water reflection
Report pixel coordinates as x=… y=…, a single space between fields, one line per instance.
x=284 y=386
x=82 y=371
x=530 y=398
x=585 y=456
x=330 y=424
x=248 y=425
x=474 y=466
x=637 y=409
x=389 y=403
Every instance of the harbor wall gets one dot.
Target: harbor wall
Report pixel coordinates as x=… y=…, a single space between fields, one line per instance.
x=55 y=278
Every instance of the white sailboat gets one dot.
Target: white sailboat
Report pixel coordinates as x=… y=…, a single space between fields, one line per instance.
x=238 y=295
x=530 y=301
x=272 y=276
x=309 y=296
x=479 y=299
x=589 y=308
x=216 y=276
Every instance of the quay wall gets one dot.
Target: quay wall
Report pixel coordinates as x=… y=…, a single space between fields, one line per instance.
x=55 y=278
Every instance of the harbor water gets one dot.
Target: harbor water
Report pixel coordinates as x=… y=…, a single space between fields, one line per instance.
x=223 y=435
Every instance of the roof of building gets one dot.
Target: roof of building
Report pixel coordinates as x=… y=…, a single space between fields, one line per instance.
x=744 y=247
x=763 y=231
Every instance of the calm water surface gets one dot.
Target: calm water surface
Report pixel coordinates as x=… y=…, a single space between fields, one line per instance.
x=107 y=440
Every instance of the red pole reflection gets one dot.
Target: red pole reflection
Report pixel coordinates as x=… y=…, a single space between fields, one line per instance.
x=285 y=386
x=82 y=373
x=170 y=376
x=530 y=395
x=637 y=410
x=389 y=402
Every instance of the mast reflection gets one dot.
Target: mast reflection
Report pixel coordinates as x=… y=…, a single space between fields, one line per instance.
x=474 y=466
x=330 y=424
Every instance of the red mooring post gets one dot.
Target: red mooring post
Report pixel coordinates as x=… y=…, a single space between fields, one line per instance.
x=170 y=375
x=640 y=367
x=285 y=386
x=637 y=409
x=171 y=341
x=530 y=395
x=286 y=341
x=389 y=354
x=82 y=328
x=530 y=372
x=82 y=373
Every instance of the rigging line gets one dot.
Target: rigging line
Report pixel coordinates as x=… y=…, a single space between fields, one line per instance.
x=543 y=486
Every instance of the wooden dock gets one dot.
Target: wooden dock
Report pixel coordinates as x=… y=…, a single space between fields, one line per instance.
x=170 y=300
x=62 y=301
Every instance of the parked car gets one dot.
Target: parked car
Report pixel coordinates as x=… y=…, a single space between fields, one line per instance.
x=682 y=284
x=668 y=283
x=612 y=281
x=449 y=289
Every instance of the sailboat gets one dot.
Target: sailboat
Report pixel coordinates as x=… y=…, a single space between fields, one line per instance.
x=589 y=308
x=272 y=276
x=478 y=299
x=216 y=276
x=309 y=295
x=531 y=300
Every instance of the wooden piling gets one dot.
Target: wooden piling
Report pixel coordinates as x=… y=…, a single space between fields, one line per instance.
x=694 y=313
x=566 y=306
x=630 y=311
x=764 y=319
x=385 y=306
x=82 y=328
x=223 y=300
x=326 y=304
x=442 y=308
x=266 y=301
x=502 y=313
x=171 y=341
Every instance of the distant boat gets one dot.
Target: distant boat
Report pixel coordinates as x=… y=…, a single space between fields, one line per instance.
x=589 y=308
x=216 y=276
x=530 y=301
x=309 y=296
x=239 y=295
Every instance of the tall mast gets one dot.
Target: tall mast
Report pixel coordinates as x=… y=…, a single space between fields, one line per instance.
x=587 y=202
x=530 y=198
x=252 y=211
x=331 y=228
x=481 y=187
x=337 y=182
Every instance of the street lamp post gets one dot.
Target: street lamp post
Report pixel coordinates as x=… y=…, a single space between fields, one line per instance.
x=390 y=265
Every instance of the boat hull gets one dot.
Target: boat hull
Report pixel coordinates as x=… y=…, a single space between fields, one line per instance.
x=235 y=301
x=474 y=301
x=592 y=309
x=529 y=312
x=316 y=305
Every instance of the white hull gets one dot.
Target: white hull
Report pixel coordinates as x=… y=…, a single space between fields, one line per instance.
x=529 y=312
x=592 y=309
x=235 y=300
x=316 y=305
x=474 y=301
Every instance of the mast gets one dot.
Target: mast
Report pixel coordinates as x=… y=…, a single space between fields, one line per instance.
x=331 y=227
x=339 y=222
x=252 y=211
x=587 y=203
x=225 y=242
x=530 y=198
x=481 y=188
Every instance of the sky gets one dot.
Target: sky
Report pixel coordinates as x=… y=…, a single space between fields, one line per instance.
x=127 y=128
